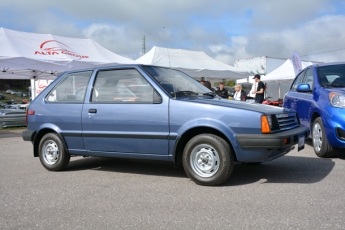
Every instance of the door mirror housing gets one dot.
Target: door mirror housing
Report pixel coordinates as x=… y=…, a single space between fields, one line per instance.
x=303 y=88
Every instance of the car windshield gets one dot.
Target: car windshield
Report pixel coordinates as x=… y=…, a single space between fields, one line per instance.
x=177 y=83
x=332 y=76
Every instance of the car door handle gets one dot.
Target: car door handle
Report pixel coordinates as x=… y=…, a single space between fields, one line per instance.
x=92 y=110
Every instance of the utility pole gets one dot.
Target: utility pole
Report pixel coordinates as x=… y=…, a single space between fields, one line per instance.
x=143 y=46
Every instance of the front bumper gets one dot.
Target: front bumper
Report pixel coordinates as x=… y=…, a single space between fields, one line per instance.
x=272 y=141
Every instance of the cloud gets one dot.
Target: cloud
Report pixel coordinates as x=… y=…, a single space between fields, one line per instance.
x=225 y=30
x=312 y=40
x=124 y=40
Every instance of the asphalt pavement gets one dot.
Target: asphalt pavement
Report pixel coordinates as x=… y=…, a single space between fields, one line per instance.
x=297 y=191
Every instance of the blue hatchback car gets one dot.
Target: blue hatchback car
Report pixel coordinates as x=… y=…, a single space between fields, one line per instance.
x=147 y=112
x=318 y=96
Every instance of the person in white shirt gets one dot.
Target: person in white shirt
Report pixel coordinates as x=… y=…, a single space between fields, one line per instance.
x=239 y=94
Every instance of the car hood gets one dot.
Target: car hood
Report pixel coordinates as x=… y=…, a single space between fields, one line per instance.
x=261 y=108
x=338 y=90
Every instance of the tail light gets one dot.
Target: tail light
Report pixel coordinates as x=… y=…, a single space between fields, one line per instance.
x=28 y=112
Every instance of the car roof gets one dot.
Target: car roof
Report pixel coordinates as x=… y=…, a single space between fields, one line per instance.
x=329 y=64
x=117 y=67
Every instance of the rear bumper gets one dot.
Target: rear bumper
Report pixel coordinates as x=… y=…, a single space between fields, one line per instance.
x=272 y=141
x=28 y=135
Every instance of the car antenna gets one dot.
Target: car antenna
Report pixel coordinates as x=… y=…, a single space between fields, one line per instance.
x=169 y=61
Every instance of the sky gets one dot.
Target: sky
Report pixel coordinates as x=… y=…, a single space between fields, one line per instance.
x=226 y=30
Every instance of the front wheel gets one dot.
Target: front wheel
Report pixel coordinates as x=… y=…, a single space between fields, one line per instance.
x=52 y=153
x=321 y=146
x=208 y=159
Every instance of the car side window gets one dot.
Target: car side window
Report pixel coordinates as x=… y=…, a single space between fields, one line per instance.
x=71 y=89
x=121 y=86
x=308 y=78
x=297 y=81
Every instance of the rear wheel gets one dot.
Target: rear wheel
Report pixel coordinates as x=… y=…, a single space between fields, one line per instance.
x=52 y=153
x=208 y=159
x=321 y=146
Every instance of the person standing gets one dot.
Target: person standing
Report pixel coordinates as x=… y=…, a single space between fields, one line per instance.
x=240 y=94
x=260 y=90
x=222 y=92
x=207 y=84
x=202 y=81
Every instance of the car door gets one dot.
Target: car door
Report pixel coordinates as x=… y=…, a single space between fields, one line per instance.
x=125 y=114
x=305 y=99
x=292 y=97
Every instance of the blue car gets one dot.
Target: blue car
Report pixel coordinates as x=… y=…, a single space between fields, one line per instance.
x=156 y=113
x=318 y=96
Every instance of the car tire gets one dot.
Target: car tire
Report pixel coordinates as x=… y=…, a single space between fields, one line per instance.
x=320 y=143
x=208 y=160
x=52 y=153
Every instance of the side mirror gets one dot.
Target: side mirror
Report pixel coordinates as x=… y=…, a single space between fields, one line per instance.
x=303 y=88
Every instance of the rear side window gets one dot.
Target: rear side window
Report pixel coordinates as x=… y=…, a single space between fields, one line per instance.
x=121 y=86
x=297 y=81
x=309 y=78
x=71 y=89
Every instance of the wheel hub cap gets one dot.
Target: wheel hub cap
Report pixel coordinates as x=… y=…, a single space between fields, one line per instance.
x=317 y=137
x=50 y=152
x=204 y=160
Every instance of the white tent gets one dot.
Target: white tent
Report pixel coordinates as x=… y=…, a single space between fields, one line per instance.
x=42 y=56
x=281 y=78
x=193 y=63
x=284 y=73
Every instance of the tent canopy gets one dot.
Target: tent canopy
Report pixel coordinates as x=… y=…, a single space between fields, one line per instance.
x=284 y=73
x=28 y=55
x=193 y=63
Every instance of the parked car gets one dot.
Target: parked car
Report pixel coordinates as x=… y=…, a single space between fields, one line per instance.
x=318 y=96
x=2 y=97
x=11 y=102
x=156 y=113
x=13 y=106
x=23 y=106
x=9 y=91
x=12 y=117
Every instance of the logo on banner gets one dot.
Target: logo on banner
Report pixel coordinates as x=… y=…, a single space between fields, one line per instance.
x=296 y=62
x=53 y=47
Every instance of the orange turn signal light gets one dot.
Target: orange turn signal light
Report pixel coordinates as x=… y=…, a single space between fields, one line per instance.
x=286 y=141
x=265 y=126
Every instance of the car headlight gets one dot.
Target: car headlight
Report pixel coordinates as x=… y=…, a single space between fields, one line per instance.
x=337 y=99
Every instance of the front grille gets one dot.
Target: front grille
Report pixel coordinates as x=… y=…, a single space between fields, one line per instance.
x=284 y=121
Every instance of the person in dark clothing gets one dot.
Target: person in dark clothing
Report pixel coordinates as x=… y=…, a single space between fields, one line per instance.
x=221 y=91
x=202 y=81
x=260 y=90
x=208 y=85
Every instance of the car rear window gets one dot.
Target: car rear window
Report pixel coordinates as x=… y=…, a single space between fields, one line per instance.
x=71 y=89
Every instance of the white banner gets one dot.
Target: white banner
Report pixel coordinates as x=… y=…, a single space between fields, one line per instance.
x=296 y=61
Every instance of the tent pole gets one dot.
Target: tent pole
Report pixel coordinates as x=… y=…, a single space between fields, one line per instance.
x=279 y=90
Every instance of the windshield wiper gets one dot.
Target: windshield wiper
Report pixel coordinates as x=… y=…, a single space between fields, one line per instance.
x=186 y=92
x=337 y=85
x=212 y=94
